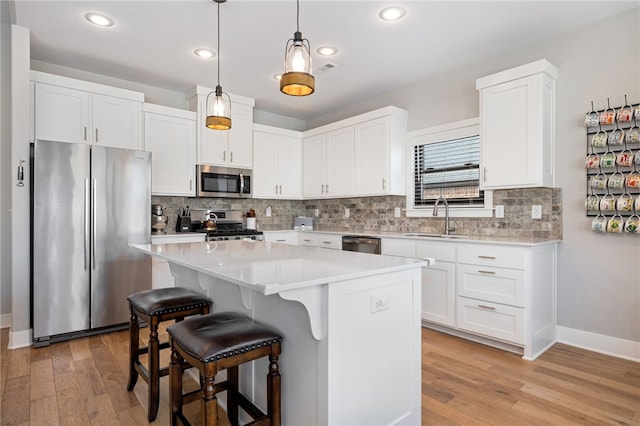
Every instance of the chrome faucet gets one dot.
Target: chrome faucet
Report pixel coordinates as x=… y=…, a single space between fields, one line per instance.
x=446 y=213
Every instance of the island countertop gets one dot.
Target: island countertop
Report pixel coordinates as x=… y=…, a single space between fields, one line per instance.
x=274 y=268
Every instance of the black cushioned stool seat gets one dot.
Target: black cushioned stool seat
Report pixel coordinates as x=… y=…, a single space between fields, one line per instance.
x=215 y=342
x=153 y=307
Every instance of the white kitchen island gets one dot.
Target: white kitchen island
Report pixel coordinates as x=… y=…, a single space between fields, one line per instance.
x=351 y=324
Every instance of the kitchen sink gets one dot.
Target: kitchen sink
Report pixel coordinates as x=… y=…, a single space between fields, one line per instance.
x=424 y=235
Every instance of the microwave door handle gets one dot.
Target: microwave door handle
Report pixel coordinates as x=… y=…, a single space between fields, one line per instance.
x=241 y=184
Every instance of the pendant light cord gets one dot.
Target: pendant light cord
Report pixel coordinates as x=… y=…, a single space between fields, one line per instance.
x=298 y=15
x=218 y=43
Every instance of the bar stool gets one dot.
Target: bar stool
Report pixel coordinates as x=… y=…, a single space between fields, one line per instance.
x=153 y=307
x=216 y=342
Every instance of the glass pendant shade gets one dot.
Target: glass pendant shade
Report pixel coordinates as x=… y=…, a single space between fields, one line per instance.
x=297 y=79
x=218 y=110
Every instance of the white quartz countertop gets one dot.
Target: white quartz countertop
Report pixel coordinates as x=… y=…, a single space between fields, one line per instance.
x=418 y=236
x=271 y=268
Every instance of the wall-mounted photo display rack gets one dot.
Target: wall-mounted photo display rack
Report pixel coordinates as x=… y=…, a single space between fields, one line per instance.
x=612 y=165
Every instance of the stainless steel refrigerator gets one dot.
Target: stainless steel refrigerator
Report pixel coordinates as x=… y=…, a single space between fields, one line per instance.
x=88 y=204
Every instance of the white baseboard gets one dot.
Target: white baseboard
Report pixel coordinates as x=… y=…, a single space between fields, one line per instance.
x=19 y=339
x=5 y=320
x=621 y=348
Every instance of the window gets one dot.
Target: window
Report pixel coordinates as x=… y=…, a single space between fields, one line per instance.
x=445 y=161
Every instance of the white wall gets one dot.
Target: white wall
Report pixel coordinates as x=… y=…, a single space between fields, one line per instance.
x=595 y=294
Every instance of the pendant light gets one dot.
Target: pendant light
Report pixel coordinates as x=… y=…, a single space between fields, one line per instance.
x=297 y=79
x=218 y=105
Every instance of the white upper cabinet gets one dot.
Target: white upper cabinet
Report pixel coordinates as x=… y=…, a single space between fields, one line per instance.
x=69 y=110
x=359 y=156
x=276 y=163
x=314 y=158
x=380 y=146
x=340 y=174
x=228 y=148
x=170 y=135
x=517 y=127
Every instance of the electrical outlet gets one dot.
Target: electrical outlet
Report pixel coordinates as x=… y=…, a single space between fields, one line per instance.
x=536 y=212
x=267 y=213
x=379 y=302
x=317 y=213
x=346 y=212
x=499 y=210
x=397 y=212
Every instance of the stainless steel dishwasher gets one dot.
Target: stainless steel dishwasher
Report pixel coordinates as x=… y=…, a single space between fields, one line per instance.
x=361 y=243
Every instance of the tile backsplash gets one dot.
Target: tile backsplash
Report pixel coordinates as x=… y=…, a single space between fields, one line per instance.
x=377 y=214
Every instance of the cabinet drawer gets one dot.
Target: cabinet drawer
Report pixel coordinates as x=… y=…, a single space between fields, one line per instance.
x=504 y=257
x=308 y=239
x=493 y=284
x=330 y=241
x=491 y=319
x=439 y=251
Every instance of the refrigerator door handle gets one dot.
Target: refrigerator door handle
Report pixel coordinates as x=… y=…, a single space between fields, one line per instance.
x=93 y=228
x=87 y=220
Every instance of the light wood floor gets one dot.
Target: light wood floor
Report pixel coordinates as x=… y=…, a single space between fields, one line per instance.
x=83 y=382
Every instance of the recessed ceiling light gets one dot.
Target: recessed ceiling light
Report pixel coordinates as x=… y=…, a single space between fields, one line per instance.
x=392 y=13
x=204 y=53
x=98 y=19
x=327 y=50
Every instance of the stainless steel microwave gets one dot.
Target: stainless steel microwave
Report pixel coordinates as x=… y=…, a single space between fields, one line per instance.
x=224 y=182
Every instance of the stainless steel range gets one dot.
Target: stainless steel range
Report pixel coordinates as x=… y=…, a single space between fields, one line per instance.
x=228 y=226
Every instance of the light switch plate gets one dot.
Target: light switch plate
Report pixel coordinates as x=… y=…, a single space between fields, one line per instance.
x=379 y=302
x=317 y=213
x=397 y=212
x=346 y=212
x=267 y=213
x=499 y=211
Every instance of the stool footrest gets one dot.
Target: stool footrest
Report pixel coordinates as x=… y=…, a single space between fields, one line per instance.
x=145 y=349
x=251 y=409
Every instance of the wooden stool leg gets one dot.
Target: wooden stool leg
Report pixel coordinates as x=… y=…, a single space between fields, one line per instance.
x=154 y=371
x=134 y=348
x=209 y=403
x=232 y=395
x=273 y=391
x=175 y=386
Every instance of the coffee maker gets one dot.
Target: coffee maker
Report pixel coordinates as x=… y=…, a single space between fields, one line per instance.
x=158 y=219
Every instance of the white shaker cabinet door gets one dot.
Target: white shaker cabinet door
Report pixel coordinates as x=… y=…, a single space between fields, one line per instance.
x=289 y=170
x=117 y=122
x=240 y=137
x=172 y=142
x=372 y=158
x=340 y=163
x=62 y=114
x=313 y=166
x=265 y=167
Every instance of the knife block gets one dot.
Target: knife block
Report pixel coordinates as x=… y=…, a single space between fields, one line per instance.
x=183 y=224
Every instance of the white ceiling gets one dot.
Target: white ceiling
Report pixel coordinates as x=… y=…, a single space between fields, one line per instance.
x=152 y=41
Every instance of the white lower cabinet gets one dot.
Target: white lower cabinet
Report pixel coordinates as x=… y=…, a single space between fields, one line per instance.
x=501 y=293
x=308 y=239
x=330 y=241
x=438 y=282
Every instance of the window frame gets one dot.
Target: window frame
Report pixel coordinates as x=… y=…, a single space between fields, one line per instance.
x=444 y=132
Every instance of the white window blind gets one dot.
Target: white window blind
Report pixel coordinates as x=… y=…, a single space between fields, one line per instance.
x=450 y=168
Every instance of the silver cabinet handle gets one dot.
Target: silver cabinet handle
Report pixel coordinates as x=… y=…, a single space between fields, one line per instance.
x=485 y=174
x=326 y=188
x=241 y=184
x=231 y=156
x=280 y=241
x=85 y=133
x=487 y=272
x=306 y=241
x=384 y=184
x=491 y=308
x=276 y=189
x=190 y=184
x=224 y=155
x=96 y=135
x=280 y=189
x=322 y=188
x=486 y=257
x=326 y=242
